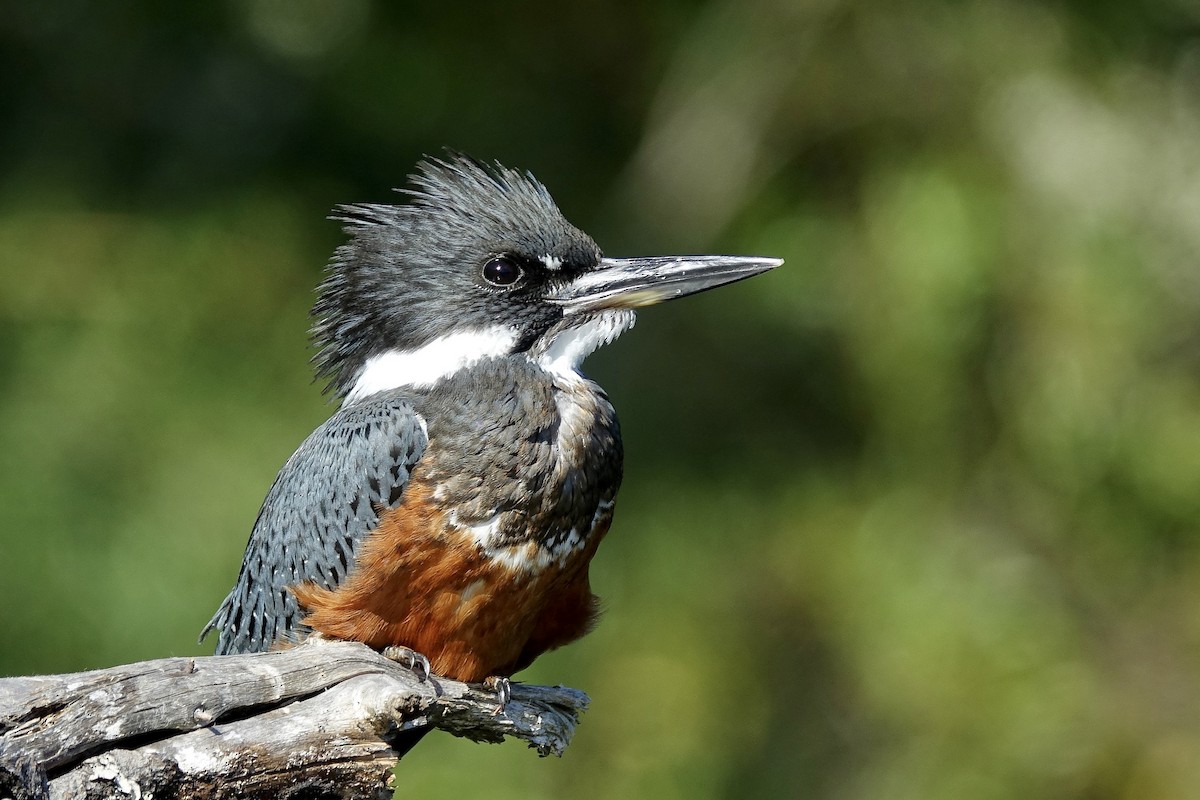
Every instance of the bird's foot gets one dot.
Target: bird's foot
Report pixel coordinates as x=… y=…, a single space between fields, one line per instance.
x=409 y=658
x=502 y=687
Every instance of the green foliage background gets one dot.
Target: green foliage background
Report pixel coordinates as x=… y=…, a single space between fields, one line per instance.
x=912 y=517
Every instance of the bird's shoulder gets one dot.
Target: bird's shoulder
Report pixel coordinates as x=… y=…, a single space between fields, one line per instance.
x=355 y=463
x=324 y=502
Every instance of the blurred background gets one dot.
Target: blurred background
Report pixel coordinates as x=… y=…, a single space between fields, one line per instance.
x=912 y=517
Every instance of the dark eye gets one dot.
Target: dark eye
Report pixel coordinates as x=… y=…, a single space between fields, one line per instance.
x=501 y=271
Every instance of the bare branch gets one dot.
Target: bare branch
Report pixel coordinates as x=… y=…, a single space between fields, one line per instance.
x=327 y=718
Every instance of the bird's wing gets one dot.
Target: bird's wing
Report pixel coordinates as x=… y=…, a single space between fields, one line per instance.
x=322 y=505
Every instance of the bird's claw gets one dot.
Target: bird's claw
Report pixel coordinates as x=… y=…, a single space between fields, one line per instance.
x=502 y=687
x=409 y=658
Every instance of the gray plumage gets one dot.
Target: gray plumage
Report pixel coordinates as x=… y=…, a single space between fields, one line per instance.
x=322 y=505
x=488 y=437
x=496 y=451
x=397 y=283
x=521 y=454
x=408 y=270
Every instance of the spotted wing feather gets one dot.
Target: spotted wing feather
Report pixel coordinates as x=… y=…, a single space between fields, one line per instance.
x=323 y=504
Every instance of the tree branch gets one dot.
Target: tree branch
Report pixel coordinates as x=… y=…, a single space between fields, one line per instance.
x=320 y=719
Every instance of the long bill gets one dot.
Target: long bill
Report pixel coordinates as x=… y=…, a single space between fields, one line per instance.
x=637 y=282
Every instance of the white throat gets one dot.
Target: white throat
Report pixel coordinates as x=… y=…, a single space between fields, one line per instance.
x=424 y=366
x=571 y=345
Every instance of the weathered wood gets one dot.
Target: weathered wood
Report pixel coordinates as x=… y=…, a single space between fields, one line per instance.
x=315 y=720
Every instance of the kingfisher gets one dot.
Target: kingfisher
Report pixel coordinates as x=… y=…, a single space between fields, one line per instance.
x=451 y=506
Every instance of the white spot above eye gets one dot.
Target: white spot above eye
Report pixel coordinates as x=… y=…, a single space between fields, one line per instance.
x=426 y=365
x=552 y=262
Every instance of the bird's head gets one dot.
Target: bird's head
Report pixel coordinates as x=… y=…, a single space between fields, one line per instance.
x=481 y=263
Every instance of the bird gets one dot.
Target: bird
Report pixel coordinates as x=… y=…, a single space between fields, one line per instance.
x=450 y=507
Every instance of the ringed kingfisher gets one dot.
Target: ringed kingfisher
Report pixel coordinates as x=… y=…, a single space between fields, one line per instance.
x=449 y=509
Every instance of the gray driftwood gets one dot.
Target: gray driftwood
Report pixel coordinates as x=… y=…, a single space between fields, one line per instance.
x=324 y=719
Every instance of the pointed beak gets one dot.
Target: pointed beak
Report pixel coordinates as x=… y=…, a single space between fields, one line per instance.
x=637 y=282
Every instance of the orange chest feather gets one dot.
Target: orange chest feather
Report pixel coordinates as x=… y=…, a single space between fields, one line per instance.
x=424 y=583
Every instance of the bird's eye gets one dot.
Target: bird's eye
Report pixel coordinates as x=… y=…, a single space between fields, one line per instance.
x=501 y=271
